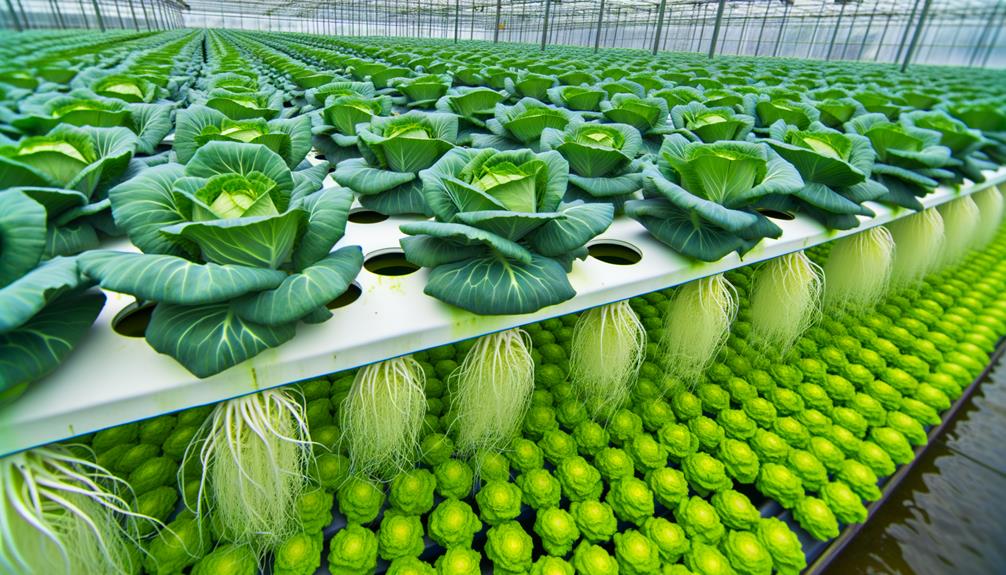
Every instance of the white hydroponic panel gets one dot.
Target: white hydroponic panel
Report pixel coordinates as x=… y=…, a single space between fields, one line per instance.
x=111 y=379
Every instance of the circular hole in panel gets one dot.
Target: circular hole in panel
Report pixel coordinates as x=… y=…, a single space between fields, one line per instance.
x=775 y=214
x=132 y=321
x=390 y=262
x=365 y=216
x=352 y=293
x=320 y=156
x=615 y=252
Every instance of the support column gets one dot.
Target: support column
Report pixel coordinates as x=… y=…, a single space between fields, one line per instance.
x=660 y=26
x=600 y=22
x=457 y=19
x=14 y=17
x=834 y=33
x=146 y=15
x=83 y=14
x=994 y=39
x=97 y=14
x=761 y=33
x=499 y=16
x=908 y=28
x=716 y=28
x=132 y=11
x=544 y=24
x=866 y=35
x=58 y=13
x=782 y=31
x=916 y=35
x=24 y=16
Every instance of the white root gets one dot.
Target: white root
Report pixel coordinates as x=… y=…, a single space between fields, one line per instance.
x=492 y=391
x=919 y=239
x=608 y=348
x=786 y=300
x=255 y=453
x=382 y=416
x=858 y=271
x=697 y=326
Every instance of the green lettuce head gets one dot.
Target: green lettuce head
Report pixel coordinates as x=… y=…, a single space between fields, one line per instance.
x=989 y=116
x=199 y=125
x=236 y=252
x=499 y=215
x=600 y=156
x=67 y=174
x=835 y=168
x=335 y=125
x=648 y=115
x=521 y=125
x=47 y=310
x=473 y=105
x=395 y=149
x=678 y=96
x=243 y=105
x=699 y=123
x=43 y=112
x=768 y=110
x=578 y=98
x=836 y=111
x=84 y=159
x=128 y=88
x=317 y=97
x=965 y=143
x=530 y=85
x=423 y=91
x=700 y=197
x=910 y=160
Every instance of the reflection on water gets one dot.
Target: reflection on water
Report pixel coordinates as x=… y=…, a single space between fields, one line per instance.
x=949 y=514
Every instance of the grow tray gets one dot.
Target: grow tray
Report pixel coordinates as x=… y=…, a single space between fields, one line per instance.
x=112 y=379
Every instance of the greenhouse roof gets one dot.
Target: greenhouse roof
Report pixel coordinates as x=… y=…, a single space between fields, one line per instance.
x=675 y=8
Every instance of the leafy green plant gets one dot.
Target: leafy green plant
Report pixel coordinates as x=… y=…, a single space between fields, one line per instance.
x=835 y=168
x=910 y=160
x=499 y=215
x=699 y=197
x=700 y=123
x=964 y=143
x=395 y=149
x=422 y=91
x=584 y=99
x=335 y=125
x=521 y=125
x=40 y=113
x=648 y=115
x=529 y=84
x=127 y=88
x=767 y=110
x=601 y=158
x=473 y=106
x=317 y=96
x=67 y=172
x=236 y=253
x=199 y=125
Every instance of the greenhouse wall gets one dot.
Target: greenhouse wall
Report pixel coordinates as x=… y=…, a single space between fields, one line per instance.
x=954 y=32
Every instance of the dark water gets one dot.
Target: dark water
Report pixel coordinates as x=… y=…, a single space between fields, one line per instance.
x=949 y=515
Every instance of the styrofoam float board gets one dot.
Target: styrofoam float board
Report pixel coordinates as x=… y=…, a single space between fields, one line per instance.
x=111 y=379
